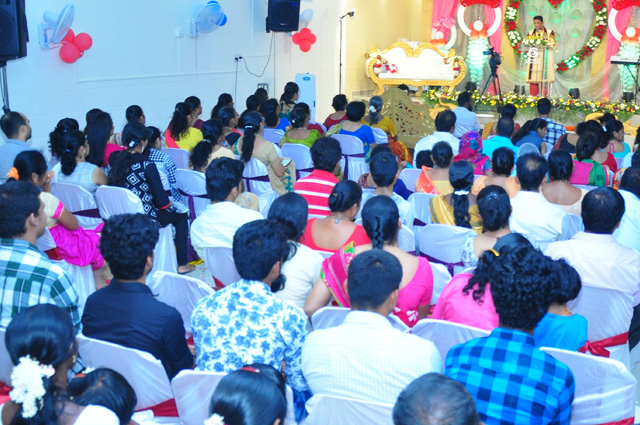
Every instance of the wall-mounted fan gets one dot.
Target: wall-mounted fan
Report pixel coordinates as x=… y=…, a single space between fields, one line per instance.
x=208 y=19
x=55 y=27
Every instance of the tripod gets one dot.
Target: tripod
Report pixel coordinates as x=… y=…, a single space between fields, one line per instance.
x=493 y=79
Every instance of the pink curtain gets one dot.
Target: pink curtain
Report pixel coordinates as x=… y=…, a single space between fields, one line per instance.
x=496 y=39
x=622 y=21
x=444 y=8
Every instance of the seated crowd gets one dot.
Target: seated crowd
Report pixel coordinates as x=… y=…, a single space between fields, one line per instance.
x=535 y=205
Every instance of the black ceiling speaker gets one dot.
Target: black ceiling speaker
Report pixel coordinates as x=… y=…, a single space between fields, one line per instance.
x=13 y=30
x=282 y=15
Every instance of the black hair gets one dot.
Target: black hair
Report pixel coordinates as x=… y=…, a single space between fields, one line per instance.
x=325 y=154
x=509 y=111
x=521 y=287
x=89 y=116
x=222 y=175
x=544 y=105
x=611 y=126
x=257 y=247
x=224 y=100
x=445 y=121
x=560 y=165
x=538 y=18
x=586 y=146
x=631 y=181
x=531 y=169
x=502 y=161
x=226 y=114
x=199 y=155
x=290 y=210
x=461 y=178
x=125 y=243
x=270 y=113
x=531 y=125
x=98 y=134
x=374 y=116
x=290 y=90
x=11 y=122
x=380 y=149
x=505 y=127
x=55 y=137
x=495 y=208
x=72 y=141
x=29 y=162
x=435 y=399
x=380 y=220
x=133 y=113
x=263 y=95
x=635 y=159
x=18 y=200
x=423 y=159
x=355 y=111
x=384 y=168
x=252 y=123
x=636 y=142
x=120 y=161
x=179 y=125
x=193 y=101
x=45 y=333
x=339 y=102
x=442 y=154
x=602 y=210
x=151 y=134
x=107 y=388
x=403 y=87
x=344 y=195
x=253 y=104
x=373 y=276
x=591 y=125
x=249 y=396
x=565 y=282
x=464 y=98
x=606 y=117
x=298 y=116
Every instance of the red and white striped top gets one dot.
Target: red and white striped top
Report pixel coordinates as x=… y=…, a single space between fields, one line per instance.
x=315 y=189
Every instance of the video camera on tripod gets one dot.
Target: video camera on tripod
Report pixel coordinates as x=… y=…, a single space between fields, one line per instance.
x=495 y=60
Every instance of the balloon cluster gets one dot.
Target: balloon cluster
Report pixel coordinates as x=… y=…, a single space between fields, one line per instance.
x=73 y=46
x=305 y=38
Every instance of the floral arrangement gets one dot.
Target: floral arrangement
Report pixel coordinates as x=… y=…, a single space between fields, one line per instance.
x=623 y=4
x=214 y=419
x=28 y=388
x=490 y=3
x=555 y=3
x=535 y=40
x=444 y=22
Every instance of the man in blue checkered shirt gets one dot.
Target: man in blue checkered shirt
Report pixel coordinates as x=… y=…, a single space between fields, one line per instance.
x=554 y=130
x=511 y=380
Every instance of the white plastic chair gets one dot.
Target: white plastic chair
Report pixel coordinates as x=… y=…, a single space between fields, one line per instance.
x=180 y=292
x=324 y=129
x=380 y=136
x=409 y=177
x=352 y=162
x=80 y=202
x=6 y=365
x=620 y=162
x=422 y=214
x=407 y=240
x=301 y=156
x=193 y=186
x=330 y=317
x=326 y=409
x=221 y=265
x=113 y=200
x=585 y=187
x=609 y=314
x=256 y=180
x=180 y=157
x=273 y=135
x=446 y=334
x=143 y=371
x=441 y=277
x=442 y=243
x=605 y=389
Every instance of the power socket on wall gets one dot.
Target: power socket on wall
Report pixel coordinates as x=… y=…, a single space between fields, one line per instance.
x=237 y=58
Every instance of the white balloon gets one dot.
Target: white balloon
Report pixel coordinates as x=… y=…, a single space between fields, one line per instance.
x=477 y=25
x=630 y=32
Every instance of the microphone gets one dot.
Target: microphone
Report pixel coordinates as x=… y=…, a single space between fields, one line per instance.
x=352 y=12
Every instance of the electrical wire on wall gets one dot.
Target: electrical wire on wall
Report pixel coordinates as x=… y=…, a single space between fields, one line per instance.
x=240 y=58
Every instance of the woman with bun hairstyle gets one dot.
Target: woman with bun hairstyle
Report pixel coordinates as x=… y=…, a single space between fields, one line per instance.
x=299 y=133
x=272 y=118
x=289 y=99
x=73 y=167
x=435 y=180
x=375 y=119
x=41 y=343
x=559 y=190
x=55 y=137
x=181 y=134
x=381 y=221
x=502 y=163
x=339 y=105
x=458 y=208
x=210 y=148
x=253 y=145
x=586 y=169
x=229 y=118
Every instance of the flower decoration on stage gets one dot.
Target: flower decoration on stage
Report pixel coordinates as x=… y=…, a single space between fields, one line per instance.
x=555 y=3
x=74 y=46
x=305 y=38
x=380 y=64
x=438 y=39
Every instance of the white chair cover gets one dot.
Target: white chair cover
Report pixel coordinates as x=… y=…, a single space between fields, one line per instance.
x=6 y=365
x=352 y=162
x=609 y=314
x=330 y=317
x=325 y=409
x=221 y=265
x=571 y=224
x=325 y=254
x=442 y=243
x=585 y=187
x=193 y=186
x=301 y=156
x=143 y=371
x=441 y=277
x=193 y=391
x=446 y=334
x=409 y=177
x=273 y=135
x=180 y=292
x=324 y=129
x=180 y=157
x=80 y=202
x=380 y=136
x=620 y=162
x=422 y=214
x=113 y=200
x=256 y=180
x=407 y=240
x=605 y=389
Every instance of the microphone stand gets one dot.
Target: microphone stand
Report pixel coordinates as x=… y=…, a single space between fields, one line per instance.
x=349 y=14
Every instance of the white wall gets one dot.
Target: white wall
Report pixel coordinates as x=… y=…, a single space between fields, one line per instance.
x=137 y=58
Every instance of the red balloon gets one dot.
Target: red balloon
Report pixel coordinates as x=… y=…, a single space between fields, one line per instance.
x=69 y=53
x=83 y=41
x=69 y=36
x=305 y=46
x=311 y=38
x=305 y=32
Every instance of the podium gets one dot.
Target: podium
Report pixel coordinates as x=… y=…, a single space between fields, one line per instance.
x=540 y=64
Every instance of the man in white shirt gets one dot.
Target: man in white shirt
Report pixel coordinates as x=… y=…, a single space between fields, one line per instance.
x=466 y=119
x=533 y=216
x=628 y=234
x=217 y=224
x=365 y=357
x=445 y=126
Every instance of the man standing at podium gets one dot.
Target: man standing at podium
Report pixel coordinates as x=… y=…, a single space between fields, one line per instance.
x=540 y=64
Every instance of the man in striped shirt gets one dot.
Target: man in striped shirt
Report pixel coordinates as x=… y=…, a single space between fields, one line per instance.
x=317 y=186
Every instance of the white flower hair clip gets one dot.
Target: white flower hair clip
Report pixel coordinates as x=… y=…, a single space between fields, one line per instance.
x=214 y=419
x=372 y=108
x=28 y=388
